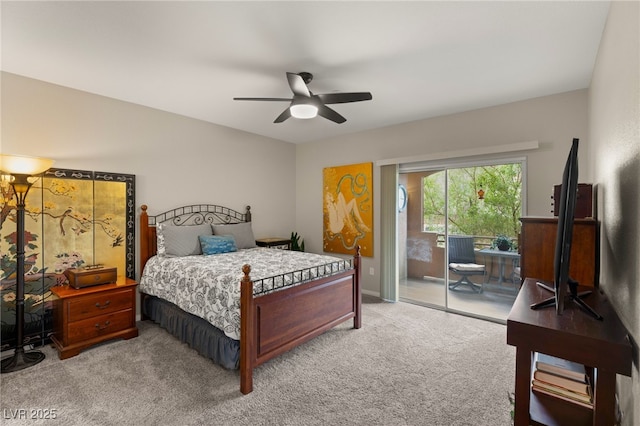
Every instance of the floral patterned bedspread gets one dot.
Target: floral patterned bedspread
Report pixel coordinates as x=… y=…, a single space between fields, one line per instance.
x=209 y=286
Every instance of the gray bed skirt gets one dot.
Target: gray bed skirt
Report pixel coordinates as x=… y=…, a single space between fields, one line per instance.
x=200 y=335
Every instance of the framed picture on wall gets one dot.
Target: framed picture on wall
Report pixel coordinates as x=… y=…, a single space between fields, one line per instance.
x=348 y=209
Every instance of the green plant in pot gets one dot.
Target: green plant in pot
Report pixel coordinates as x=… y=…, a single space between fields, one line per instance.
x=297 y=243
x=503 y=243
x=512 y=405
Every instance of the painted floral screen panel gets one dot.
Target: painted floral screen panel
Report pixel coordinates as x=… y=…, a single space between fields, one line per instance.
x=67 y=218
x=73 y=218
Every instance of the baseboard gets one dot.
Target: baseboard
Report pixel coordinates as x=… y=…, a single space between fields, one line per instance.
x=371 y=293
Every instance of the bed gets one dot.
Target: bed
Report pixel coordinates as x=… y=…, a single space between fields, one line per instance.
x=276 y=312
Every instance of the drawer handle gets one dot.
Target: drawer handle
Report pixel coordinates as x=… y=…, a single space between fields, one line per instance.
x=99 y=306
x=106 y=324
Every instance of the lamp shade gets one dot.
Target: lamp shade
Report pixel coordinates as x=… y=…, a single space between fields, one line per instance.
x=22 y=165
x=303 y=108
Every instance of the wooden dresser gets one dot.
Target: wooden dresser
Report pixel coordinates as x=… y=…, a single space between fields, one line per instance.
x=84 y=317
x=538 y=244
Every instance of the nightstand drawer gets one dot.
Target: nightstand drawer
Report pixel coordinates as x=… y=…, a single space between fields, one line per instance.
x=100 y=304
x=99 y=326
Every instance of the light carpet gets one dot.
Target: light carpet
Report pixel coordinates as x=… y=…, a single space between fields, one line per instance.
x=407 y=365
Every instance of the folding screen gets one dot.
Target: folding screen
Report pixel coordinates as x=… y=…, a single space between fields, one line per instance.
x=74 y=218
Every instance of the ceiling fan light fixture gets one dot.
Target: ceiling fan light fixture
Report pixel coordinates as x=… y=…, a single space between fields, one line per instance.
x=305 y=104
x=303 y=110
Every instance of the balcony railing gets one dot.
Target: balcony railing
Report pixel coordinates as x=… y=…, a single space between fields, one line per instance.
x=479 y=241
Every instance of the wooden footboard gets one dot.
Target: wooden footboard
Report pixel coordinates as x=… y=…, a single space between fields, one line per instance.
x=277 y=322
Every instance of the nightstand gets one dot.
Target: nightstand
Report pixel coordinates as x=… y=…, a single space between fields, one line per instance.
x=91 y=315
x=275 y=242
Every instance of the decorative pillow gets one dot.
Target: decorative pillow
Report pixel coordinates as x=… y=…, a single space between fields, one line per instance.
x=216 y=244
x=160 y=241
x=242 y=233
x=180 y=240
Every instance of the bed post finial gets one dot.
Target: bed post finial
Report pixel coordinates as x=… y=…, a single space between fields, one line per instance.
x=247 y=215
x=143 y=208
x=246 y=270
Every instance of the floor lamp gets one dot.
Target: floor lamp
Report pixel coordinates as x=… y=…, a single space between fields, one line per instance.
x=21 y=172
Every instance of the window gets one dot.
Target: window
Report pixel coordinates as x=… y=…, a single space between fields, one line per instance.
x=484 y=201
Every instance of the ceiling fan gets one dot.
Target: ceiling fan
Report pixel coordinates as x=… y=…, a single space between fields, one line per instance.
x=305 y=104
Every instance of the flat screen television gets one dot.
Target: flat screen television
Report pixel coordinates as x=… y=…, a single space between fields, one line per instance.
x=564 y=287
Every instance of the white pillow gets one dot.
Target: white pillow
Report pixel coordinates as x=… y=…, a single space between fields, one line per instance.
x=241 y=232
x=180 y=240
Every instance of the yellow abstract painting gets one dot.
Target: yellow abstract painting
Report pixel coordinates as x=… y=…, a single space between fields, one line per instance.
x=348 y=209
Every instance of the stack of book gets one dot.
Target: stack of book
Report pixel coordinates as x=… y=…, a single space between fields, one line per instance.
x=562 y=379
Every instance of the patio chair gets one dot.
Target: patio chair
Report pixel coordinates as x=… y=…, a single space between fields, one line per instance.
x=462 y=261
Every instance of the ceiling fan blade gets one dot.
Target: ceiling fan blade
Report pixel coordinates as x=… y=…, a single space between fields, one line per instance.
x=285 y=114
x=297 y=84
x=330 y=114
x=263 y=99
x=341 y=98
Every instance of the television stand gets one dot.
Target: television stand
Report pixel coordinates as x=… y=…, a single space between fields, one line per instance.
x=572 y=295
x=603 y=346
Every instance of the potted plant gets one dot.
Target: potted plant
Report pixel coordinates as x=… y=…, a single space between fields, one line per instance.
x=512 y=404
x=297 y=243
x=503 y=243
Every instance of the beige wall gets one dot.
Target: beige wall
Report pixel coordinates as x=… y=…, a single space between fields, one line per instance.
x=176 y=160
x=614 y=128
x=552 y=120
x=179 y=160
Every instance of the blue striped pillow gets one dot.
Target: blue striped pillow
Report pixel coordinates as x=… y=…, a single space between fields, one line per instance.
x=216 y=244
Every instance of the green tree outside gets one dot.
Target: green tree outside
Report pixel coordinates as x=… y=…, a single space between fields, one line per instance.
x=498 y=211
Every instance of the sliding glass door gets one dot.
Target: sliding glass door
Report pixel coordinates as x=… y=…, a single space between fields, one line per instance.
x=423 y=274
x=452 y=223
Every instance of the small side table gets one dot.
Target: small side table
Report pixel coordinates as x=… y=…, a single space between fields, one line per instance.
x=274 y=242
x=92 y=315
x=502 y=258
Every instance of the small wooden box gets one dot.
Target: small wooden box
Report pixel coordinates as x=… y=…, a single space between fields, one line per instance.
x=81 y=277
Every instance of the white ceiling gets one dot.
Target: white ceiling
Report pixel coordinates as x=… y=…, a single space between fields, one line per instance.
x=419 y=59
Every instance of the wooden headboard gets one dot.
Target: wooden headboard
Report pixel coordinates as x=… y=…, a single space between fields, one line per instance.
x=187 y=215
